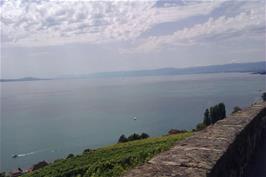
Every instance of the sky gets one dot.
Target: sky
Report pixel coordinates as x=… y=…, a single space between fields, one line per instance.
x=42 y=38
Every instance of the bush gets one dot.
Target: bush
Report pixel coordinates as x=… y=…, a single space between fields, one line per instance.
x=39 y=165
x=122 y=139
x=236 y=109
x=70 y=156
x=133 y=137
x=175 y=131
x=87 y=150
x=144 y=136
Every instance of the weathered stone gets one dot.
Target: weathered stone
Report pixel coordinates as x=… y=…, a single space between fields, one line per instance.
x=221 y=150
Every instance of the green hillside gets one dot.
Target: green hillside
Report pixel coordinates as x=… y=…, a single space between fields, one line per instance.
x=109 y=161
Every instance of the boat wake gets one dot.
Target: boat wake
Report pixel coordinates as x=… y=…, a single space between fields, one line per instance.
x=30 y=153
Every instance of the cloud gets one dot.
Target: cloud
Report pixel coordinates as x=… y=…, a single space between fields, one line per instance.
x=44 y=23
x=248 y=23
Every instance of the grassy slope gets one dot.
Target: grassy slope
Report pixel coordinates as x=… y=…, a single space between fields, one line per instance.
x=109 y=161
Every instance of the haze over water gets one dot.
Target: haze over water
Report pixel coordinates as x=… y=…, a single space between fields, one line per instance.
x=46 y=120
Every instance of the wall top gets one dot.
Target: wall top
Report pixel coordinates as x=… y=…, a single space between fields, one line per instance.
x=197 y=155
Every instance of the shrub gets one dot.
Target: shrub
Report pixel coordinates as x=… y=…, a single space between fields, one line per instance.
x=236 y=109
x=122 y=139
x=87 y=150
x=175 y=131
x=144 y=136
x=70 y=156
x=133 y=137
x=39 y=165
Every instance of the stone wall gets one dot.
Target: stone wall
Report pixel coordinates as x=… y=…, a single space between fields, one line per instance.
x=221 y=150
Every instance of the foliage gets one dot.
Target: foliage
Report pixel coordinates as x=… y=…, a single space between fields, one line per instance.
x=212 y=115
x=215 y=113
x=109 y=161
x=133 y=137
x=263 y=96
x=207 y=119
x=70 y=156
x=144 y=136
x=176 y=131
x=122 y=139
x=200 y=126
x=87 y=150
x=3 y=174
x=236 y=109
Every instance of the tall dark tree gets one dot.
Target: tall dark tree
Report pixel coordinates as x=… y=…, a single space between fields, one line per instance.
x=207 y=119
x=263 y=96
x=217 y=112
x=212 y=115
x=222 y=111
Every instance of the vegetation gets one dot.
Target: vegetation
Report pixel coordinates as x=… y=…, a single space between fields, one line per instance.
x=3 y=174
x=236 y=109
x=133 y=137
x=109 y=161
x=87 y=150
x=212 y=115
x=263 y=96
x=176 y=131
x=70 y=156
x=200 y=126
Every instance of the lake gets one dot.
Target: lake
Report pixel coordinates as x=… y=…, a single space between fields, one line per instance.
x=46 y=120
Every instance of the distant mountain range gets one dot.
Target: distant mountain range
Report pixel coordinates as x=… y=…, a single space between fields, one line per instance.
x=255 y=67
x=22 y=79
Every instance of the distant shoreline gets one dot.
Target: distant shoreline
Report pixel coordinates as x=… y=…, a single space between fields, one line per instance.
x=253 y=68
x=23 y=79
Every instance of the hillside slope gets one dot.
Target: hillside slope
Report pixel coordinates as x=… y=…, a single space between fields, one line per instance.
x=109 y=161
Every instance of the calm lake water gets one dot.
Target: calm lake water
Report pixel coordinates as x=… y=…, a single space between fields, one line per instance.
x=46 y=120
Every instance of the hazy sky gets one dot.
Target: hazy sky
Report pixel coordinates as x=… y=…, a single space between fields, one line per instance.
x=54 y=38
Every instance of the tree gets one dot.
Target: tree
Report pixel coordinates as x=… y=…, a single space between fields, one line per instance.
x=133 y=137
x=212 y=115
x=122 y=139
x=70 y=156
x=217 y=112
x=87 y=150
x=236 y=109
x=40 y=165
x=222 y=111
x=263 y=96
x=200 y=126
x=144 y=136
x=207 y=119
